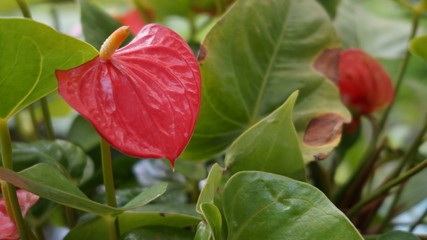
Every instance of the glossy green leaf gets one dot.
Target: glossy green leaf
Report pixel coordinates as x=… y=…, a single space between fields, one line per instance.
x=203 y=232
x=159 y=233
x=70 y=159
x=31 y=53
x=211 y=187
x=397 y=235
x=213 y=217
x=271 y=145
x=249 y=75
x=57 y=188
x=418 y=46
x=97 y=25
x=259 y=205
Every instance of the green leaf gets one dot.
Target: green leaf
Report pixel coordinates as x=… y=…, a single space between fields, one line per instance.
x=203 y=232
x=380 y=37
x=271 y=145
x=31 y=52
x=59 y=189
x=190 y=169
x=147 y=196
x=97 y=24
x=330 y=6
x=249 y=75
x=164 y=8
x=83 y=134
x=95 y=228
x=418 y=47
x=259 y=205
x=211 y=187
x=213 y=217
x=158 y=215
x=398 y=235
x=159 y=233
x=70 y=159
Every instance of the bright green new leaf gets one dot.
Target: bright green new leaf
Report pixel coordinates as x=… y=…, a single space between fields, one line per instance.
x=259 y=205
x=271 y=145
x=59 y=189
x=211 y=187
x=249 y=75
x=203 y=232
x=418 y=46
x=31 y=52
x=213 y=217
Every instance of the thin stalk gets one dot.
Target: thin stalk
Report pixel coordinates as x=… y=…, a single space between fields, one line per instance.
x=24 y=8
x=418 y=221
x=34 y=121
x=390 y=212
x=47 y=119
x=402 y=69
x=383 y=189
x=9 y=191
x=110 y=192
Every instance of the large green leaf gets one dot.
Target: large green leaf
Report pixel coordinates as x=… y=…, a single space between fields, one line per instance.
x=249 y=75
x=159 y=233
x=261 y=205
x=31 y=52
x=70 y=159
x=271 y=145
x=47 y=182
x=97 y=24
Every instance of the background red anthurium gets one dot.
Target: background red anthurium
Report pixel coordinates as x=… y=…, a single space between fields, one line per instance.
x=364 y=84
x=144 y=98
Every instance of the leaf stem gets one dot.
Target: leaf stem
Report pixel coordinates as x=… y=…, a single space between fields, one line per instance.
x=383 y=189
x=110 y=192
x=24 y=8
x=47 y=119
x=9 y=191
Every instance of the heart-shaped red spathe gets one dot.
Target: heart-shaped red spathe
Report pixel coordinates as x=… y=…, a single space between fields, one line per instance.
x=145 y=99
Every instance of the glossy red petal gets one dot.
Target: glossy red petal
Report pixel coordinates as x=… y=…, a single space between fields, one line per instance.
x=364 y=84
x=145 y=99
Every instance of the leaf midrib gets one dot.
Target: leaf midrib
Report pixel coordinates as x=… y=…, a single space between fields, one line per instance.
x=267 y=74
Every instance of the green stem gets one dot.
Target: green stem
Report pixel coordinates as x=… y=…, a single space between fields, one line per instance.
x=383 y=189
x=390 y=212
x=34 y=121
x=110 y=192
x=24 y=8
x=402 y=70
x=47 y=119
x=418 y=221
x=9 y=191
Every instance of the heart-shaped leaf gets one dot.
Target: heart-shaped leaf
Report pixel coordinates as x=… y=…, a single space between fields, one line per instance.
x=249 y=75
x=278 y=206
x=271 y=145
x=144 y=99
x=31 y=52
x=59 y=189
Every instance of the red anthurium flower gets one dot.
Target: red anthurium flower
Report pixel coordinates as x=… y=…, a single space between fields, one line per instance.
x=8 y=229
x=144 y=98
x=364 y=84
